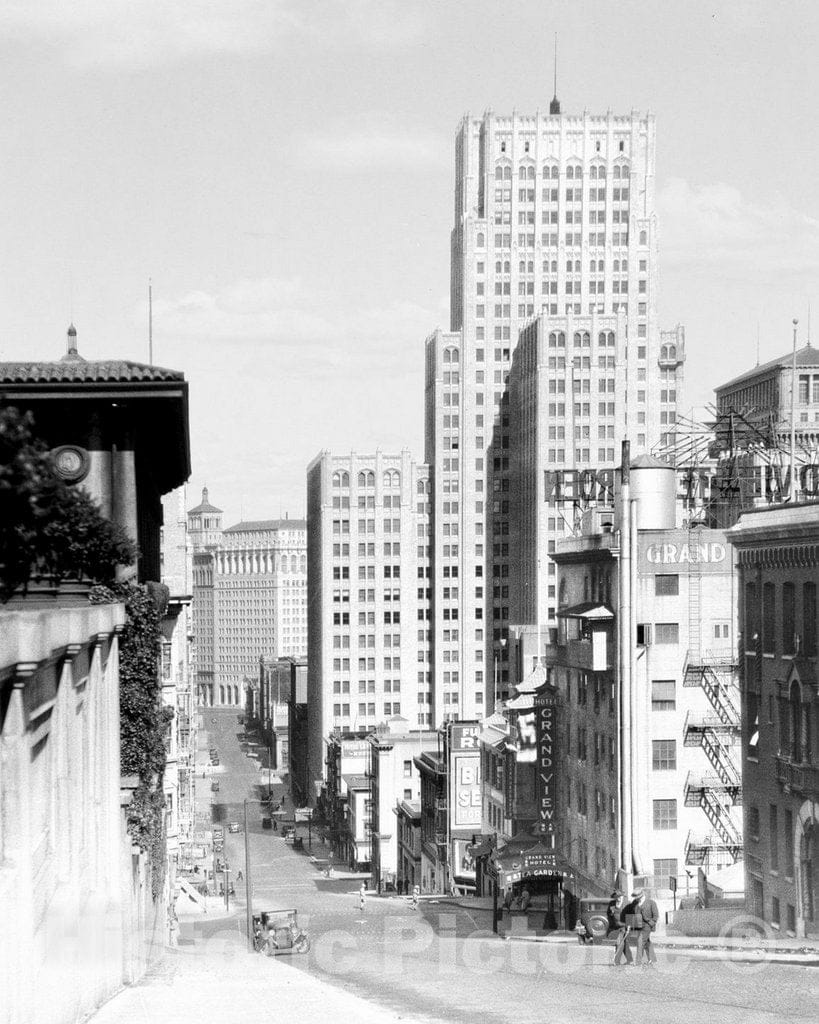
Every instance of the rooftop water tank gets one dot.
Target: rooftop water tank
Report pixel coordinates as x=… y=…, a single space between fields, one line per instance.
x=654 y=486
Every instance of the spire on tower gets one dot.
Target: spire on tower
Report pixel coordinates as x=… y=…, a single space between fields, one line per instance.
x=554 y=106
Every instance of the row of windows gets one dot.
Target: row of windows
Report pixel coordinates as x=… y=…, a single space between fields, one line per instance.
x=573 y=240
x=778 y=619
x=366 y=478
x=528 y=172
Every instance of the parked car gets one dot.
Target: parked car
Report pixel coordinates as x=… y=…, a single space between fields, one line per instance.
x=218 y=834
x=233 y=826
x=594 y=917
x=214 y=786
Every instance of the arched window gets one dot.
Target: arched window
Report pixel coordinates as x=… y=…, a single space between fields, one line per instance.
x=446 y=355
x=499 y=173
x=593 y=171
x=768 y=618
x=507 y=173
x=809 y=620
x=643 y=238
x=303 y=563
x=577 y=339
x=480 y=241
x=507 y=265
x=522 y=266
x=555 y=171
x=419 y=487
x=366 y=478
x=522 y=173
x=616 y=267
x=561 y=339
x=601 y=173
x=586 y=339
x=799 y=725
x=530 y=172
x=392 y=479
x=672 y=351
x=570 y=171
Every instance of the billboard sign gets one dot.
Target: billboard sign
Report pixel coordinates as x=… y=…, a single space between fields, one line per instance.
x=465 y=775
x=526 y=742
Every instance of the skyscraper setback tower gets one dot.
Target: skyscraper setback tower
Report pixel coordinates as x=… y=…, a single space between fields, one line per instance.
x=555 y=219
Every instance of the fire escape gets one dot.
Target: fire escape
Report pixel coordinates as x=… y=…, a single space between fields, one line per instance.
x=718 y=790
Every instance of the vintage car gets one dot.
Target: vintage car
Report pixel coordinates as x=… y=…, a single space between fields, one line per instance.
x=277 y=931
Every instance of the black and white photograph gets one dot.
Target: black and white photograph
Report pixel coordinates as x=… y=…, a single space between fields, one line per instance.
x=409 y=511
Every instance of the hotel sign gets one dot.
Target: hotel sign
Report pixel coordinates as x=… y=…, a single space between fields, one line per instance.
x=695 y=485
x=680 y=549
x=546 y=730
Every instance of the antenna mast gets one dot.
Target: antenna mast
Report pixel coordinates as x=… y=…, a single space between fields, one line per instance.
x=150 y=325
x=554 y=106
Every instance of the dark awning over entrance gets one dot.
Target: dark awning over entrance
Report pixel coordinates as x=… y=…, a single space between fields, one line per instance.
x=526 y=857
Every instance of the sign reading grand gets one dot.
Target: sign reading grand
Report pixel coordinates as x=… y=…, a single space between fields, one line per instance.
x=465 y=775
x=680 y=549
x=546 y=730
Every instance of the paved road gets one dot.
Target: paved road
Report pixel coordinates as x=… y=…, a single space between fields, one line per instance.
x=433 y=963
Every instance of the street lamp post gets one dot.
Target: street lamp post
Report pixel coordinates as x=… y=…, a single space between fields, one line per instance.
x=248 y=886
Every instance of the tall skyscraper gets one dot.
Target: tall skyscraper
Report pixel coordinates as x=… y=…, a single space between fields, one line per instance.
x=555 y=219
x=368 y=609
x=250 y=598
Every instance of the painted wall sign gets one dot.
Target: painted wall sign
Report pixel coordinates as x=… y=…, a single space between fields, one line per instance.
x=679 y=554
x=465 y=789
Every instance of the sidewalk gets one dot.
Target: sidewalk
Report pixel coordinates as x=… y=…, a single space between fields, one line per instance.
x=232 y=985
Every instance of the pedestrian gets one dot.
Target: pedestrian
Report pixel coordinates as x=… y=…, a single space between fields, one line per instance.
x=581 y=932
x=507 y=902
x=525 y=900
x=416 y=892
x=239 y=876
x=617 y=928
x=642 y=915
x=362 y=893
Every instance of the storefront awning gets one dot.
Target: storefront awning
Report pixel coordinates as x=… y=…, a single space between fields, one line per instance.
x=591 y=610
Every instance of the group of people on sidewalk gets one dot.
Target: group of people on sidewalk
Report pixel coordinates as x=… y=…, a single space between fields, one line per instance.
x=638 y=917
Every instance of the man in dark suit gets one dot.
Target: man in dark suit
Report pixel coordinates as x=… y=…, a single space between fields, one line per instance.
x=642 y=916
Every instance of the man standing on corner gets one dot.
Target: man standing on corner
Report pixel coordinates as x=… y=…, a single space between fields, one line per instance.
x=642 y=915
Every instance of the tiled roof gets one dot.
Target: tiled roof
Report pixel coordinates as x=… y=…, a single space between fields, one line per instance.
x=79 y=371
x=807 y=356
x=258 y=525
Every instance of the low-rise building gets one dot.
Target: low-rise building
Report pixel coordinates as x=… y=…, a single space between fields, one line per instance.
x=778 y=563
x=393 y=778
x=408 y=825
x=645 y=668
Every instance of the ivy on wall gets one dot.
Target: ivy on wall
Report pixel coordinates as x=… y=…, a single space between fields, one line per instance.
x=144 y=719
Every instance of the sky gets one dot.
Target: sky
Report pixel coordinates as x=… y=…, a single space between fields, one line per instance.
x=283 y=171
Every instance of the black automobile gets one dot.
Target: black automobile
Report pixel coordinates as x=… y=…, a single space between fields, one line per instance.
x=594 y=917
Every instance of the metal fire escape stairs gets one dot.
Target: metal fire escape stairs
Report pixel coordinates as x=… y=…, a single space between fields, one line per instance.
x=715 y=792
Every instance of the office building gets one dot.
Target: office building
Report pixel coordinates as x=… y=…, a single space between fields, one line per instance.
x=554 y=218
x=250 y=598
x=368 y=586
x=778 y=569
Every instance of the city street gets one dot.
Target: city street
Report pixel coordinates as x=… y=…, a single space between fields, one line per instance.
x=441 y=961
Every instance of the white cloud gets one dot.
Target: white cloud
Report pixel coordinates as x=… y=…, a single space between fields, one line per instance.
x=366 y=150
x=140 y=33
x=300 y=322
x=717 y=227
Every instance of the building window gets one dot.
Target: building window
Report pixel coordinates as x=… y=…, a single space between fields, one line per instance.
x=663 y=755
x=788 y=618
x=809 y=620
x=663 y=695
x=667 y=633
x=774 y=836
x=775 y=912
x=753 y=822
x=664 y=871
x=667 y=585
x=769 y=618
x=665 y=815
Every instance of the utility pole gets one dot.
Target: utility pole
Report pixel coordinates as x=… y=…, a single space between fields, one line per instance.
x=625 y=640
x=248 y=887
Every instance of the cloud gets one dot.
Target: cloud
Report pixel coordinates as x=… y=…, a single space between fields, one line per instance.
x=150 y=32
x=300 y=323
x=367 y=150
x=716 y=226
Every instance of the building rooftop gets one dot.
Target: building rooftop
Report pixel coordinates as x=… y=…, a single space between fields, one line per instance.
x=80 y=371
x=807 y=356
x=204 y=505
x=266 y=525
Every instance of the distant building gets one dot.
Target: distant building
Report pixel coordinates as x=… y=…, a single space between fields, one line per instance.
x=344 y=804
x=369 y=598
x=276 y=688
x=250 y=598
x=778 y=560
